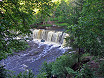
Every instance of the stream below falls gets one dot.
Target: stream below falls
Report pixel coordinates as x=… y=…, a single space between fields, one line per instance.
x=33 y=57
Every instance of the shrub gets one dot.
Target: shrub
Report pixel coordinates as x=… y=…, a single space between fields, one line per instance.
x=101 y=69
x=84 y=72
x=42 y=75
x=25 y=74
x=18 y=45
x=2 y=72
x=58 y=68
x=46 y=68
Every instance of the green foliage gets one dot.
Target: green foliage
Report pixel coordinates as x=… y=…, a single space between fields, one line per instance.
x=46 y=25
x=53 y=19
x=44 y=10
x=13 y=46
x=58 y=67
x=68 y=11
x=2 y=72
x=101 y=69
x=16 y=16
x=17 y=45
x=45 y=70
x=85 y=72
x=61 y=12
x=63 y=67
x=61 y=24
x=10 y=74
x=70 y=71
x=42 y=75
x=88 y=33
x=84 y=55
x=25 y=74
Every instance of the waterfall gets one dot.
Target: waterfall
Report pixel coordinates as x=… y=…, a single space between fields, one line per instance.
x=33 y=57
x=50 y=36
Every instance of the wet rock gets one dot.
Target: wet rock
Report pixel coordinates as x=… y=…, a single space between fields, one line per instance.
x=42 y=40
x=50 y=45
x=60 y=46
x=34 y=53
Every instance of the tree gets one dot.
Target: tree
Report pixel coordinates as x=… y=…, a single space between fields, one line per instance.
x=68 y=11
x=15 y=18
x=89 y=32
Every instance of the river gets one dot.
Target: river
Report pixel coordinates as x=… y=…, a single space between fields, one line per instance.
x=33 y=57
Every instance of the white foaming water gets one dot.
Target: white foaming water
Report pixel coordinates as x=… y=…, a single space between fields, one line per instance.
x=50 y=36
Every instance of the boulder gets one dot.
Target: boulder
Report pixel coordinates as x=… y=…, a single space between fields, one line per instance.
x=42 y=40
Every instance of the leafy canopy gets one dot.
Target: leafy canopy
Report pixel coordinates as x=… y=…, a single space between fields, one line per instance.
x=89 y=32
x=16 y=16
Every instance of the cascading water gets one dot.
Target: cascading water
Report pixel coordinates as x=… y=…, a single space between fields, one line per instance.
x=33 y=57
x=50 y=36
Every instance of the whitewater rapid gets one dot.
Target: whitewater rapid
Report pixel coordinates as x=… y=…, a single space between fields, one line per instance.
x=39 y=52
x=33 y=57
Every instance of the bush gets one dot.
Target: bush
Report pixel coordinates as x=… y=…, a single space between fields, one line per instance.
x=47 y=68
x=2 y=72
x=85 y=72
x=18 y=45
x=58 y=68
x=54 y=19
x=62 y=68
x=10 y=74
x=42 y=75
x=71 y=71
x=101 y=69
x=25 y=74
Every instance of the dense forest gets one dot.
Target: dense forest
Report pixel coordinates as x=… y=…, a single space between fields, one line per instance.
x=82 y=20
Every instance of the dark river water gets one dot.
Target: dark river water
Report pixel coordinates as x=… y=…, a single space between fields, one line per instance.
x=33 y=57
